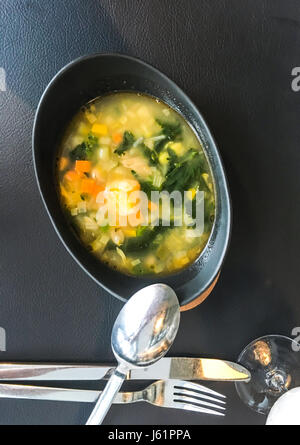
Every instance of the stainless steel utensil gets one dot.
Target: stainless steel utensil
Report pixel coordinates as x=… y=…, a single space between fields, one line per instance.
x=186 y=368
x=142 y=333
x=165 y=393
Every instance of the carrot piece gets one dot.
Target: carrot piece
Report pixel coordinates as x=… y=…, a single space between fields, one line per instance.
x=117 y=138
x=72 y=176
x=88 y=186
x=98 y=188
x=83 y=166
x=63 y=162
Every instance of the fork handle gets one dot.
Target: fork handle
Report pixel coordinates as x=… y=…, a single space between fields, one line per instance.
x=107 y=397
x=131 y=397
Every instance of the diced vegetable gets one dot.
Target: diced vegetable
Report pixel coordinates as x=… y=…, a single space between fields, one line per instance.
x=90 y=186
x=157 y=179
x=72 y=176
x=63 y=162
x=177 y=147
x=104 y=140
x=81 y=207
x=83 y=129
x=104 y=153
x=82 y=166
x=90 y=117
x=99 y=129
x=90 y=224
x=100 y=243
x=117 y=138
x=163 y=158
x=135 y=262
x=74 y=211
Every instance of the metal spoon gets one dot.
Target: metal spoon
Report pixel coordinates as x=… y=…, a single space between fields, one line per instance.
x=142 y=334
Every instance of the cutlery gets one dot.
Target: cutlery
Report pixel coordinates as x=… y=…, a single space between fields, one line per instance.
x=186 y=368
x=142 y=334
x=165 y=393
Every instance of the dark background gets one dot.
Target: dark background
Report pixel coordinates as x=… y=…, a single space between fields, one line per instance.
x=234 y=58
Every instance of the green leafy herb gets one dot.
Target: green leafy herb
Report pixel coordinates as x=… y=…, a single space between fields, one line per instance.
x=159 y=145
x=127 y=142
x=151 y=155
x=173 y=159
x=84 y=150
x=171 y=131
x=144 y=240
x=185 y=172
x=79 y=152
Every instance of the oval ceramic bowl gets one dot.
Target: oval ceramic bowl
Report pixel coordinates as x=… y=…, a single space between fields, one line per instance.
x=75 y=85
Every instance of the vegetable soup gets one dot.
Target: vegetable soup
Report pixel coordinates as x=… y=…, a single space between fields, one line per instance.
x=121 y=159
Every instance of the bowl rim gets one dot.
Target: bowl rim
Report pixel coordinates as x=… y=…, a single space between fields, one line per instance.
x=210 y=137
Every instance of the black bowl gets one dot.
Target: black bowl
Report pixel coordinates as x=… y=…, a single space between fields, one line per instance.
x=75 y=85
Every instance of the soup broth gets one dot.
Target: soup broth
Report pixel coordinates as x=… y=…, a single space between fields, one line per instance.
x=129 y=142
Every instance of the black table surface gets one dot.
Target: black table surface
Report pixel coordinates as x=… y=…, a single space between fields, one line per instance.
x=234 y=59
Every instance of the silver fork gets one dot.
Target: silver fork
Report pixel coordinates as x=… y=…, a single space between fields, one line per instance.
x=177 y=394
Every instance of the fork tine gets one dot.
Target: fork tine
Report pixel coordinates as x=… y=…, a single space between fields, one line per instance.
x=196 y=387
x=183 y=398
x=196 y=408
x=196 y=395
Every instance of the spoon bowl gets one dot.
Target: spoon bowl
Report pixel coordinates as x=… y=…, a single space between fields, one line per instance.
x=146 y=326
x=142 y=334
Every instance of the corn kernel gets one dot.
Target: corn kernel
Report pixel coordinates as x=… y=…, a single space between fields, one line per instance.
x=163 y=158
x=177 y=147
x=99 y=129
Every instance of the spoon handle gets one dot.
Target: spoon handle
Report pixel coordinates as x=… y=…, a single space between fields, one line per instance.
x=107 y=397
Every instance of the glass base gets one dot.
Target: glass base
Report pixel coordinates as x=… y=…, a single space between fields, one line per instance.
x=274 y=363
